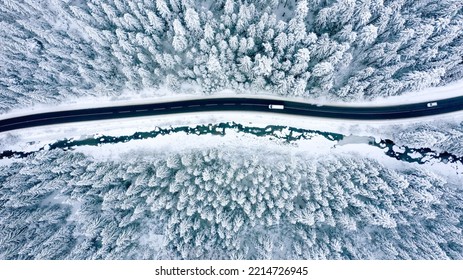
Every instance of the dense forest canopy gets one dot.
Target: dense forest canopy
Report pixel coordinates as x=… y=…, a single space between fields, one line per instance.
x=225 y=204
x=51 y=50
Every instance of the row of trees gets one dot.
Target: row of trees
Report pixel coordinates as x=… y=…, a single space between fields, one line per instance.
x=340 y=49
x=222 y=204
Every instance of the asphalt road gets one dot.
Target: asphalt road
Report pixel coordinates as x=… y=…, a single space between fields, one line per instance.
x=233 y=104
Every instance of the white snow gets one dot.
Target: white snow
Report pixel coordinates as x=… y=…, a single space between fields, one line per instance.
x=398 y=149
x=415 y=155
x=283 y=132
x=353 y=139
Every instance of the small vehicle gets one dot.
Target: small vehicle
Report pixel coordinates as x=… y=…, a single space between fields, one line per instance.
x=431 y=104
x=276 y=107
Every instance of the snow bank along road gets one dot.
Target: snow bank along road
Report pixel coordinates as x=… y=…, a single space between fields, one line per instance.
x=235 y=104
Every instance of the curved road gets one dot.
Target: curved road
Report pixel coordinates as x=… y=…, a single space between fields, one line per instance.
x=233 y=104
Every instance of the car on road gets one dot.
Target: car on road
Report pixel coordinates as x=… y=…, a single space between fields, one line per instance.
x=431 y=104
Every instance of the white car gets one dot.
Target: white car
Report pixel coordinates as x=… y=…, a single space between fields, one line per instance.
x=277 y=107
x=431 y=104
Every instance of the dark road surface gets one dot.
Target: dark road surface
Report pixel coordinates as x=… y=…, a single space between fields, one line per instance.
x=234 y=104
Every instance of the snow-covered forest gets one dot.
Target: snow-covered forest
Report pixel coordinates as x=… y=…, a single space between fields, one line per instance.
x=239 y=199
x=51 y=50
x=225 y=204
